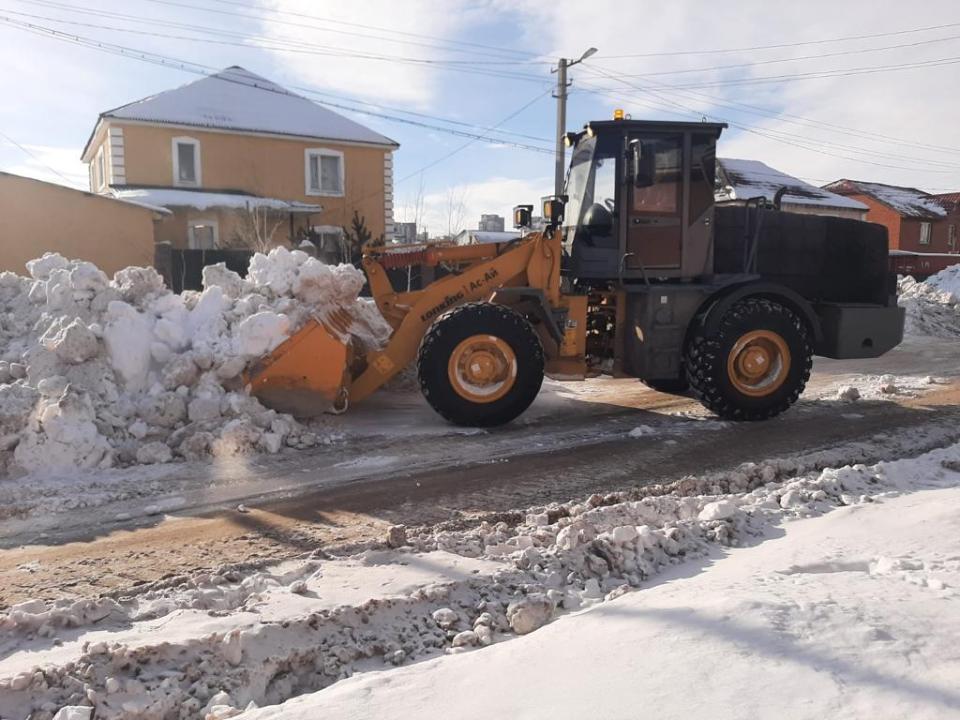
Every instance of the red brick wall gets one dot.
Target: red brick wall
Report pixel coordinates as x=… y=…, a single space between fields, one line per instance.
x=941 y=233
x=883 y=215
x=905 y=232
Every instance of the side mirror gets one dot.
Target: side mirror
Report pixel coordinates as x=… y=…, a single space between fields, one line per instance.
x=641 y=164
x=522 y=216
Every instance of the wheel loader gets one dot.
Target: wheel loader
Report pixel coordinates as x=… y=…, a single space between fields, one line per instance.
x=636 y=273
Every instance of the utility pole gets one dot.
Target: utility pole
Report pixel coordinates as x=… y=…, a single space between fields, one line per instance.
x=561 y=96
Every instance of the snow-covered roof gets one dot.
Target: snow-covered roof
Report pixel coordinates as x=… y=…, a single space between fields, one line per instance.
x=907 y=201
x=200 y=200
x=237 y=99
x=745 y=179
x=949 y=201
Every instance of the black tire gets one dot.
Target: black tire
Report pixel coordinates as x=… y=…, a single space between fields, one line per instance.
x=706 y=361
x=448 y=332
x=674 y=386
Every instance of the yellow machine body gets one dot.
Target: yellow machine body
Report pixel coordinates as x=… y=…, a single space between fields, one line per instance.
x=316 y=369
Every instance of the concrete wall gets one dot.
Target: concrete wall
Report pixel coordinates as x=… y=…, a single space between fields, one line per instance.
x=262 y=165
x=38 y=217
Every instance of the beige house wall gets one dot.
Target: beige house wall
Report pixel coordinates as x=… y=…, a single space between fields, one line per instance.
x=38 y=217
x=268 y=166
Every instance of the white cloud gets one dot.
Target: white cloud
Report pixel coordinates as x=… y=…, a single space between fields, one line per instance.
x=53 y=164
x=392 y=81
x=460 y=207
x=917 y=106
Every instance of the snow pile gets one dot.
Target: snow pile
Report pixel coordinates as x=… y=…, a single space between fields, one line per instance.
x=947 y=280
x=878 y=387
x=97 y=372
x=227 y=639
x=933 y=306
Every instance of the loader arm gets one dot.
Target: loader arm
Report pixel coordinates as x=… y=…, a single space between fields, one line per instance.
x=533 y=261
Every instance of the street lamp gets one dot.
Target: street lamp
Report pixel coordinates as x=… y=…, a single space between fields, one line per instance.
x=561 y=96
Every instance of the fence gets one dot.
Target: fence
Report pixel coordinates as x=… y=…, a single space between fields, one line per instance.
x=920 y=265
x=183 y=269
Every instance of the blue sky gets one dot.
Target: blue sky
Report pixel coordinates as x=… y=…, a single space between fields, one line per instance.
x=489 y=59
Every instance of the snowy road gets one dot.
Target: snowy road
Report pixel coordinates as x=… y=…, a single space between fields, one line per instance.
x=144 y=524
x=835 y=587
x=847 y=616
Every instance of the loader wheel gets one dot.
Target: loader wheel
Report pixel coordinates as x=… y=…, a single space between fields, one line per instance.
x=480 y=365
x=755 y=365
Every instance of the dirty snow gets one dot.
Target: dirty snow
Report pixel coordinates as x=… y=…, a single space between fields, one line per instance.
x=226 y=639
x=933 y=306
x=852 y=615
x=98 y=372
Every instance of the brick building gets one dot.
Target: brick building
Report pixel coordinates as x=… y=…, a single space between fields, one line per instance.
x=916 y=221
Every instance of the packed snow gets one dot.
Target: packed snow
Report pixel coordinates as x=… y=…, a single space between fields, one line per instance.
x=852 y=615
x=201 y=200
x=98 y=372
x=933 y=306
x=214 y=644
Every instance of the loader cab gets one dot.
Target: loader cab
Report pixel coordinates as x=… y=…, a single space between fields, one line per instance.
x=640 y=201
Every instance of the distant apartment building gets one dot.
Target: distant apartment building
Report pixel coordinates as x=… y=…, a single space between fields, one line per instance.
x=491 y=223
x=405 y=232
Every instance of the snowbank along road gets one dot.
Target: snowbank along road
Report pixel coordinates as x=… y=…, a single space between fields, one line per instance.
x=161 y=575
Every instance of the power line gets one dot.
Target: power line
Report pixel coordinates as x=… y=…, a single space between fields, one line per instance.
x=747 y=108
x=262 y=43
x=819 y=56
x=39 y=161
x=815 y=75
x=300 y=25
x=467 y=144
x=393 y=31
x=786 y=45
x=208 y=71
x=800 y=143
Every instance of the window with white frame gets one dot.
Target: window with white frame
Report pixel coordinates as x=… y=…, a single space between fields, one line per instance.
x=323 y=172
x=925 y=233
x=952 y=236
x=203 y=234
x=186 y=162
x=100 y=170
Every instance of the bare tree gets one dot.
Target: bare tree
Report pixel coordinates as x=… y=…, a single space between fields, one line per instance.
x=456 y=207
x=256 y=228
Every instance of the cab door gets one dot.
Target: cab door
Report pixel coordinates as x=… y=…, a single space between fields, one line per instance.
x=654 y=202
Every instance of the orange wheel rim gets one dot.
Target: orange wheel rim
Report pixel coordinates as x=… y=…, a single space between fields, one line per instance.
x=758 y=363
x=482 y=368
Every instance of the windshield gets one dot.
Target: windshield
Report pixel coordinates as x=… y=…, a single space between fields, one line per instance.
x=592 y=180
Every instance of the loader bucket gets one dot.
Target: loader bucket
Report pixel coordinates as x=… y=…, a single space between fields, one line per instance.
x=308 y=374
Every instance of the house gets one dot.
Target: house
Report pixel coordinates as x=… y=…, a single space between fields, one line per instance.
x=41 y=217
x=242 y=162
x=741 y=180
x=916 y=221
